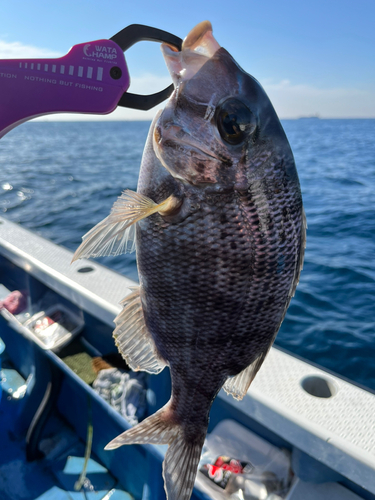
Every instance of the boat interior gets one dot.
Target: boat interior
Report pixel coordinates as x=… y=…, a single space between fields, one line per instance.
x=310 y=433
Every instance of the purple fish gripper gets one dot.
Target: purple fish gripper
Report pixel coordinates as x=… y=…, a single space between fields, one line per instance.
x=91 y=78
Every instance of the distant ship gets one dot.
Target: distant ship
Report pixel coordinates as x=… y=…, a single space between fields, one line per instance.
x=311 y=117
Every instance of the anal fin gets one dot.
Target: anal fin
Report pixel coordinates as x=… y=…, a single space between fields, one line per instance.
x=132 y=337
x=238 y=385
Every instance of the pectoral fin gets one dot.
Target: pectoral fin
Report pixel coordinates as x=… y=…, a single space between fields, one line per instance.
x=116 y=233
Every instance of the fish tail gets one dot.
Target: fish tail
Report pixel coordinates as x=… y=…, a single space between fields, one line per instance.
x=183 y=454
x=180 y=466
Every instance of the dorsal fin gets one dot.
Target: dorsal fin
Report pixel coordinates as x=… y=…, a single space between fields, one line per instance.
x=238 y=385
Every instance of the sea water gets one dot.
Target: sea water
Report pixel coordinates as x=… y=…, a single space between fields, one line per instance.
x=59 y=179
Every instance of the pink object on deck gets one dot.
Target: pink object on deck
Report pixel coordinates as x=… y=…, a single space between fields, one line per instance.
x=15 y=302
x=91 y=78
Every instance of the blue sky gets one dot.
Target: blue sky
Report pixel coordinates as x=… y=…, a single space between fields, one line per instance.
x=312 y=57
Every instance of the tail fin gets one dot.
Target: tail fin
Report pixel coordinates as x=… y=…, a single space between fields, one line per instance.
x=157 y=429
x=182 y=457
x=180 y=467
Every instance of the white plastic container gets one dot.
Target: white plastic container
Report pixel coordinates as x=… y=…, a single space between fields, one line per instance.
x=53 y=328
x=265 y=461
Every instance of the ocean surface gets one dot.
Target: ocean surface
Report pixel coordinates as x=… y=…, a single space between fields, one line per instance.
x=59 y=179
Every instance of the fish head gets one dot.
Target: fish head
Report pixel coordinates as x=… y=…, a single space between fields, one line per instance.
x=218 y=121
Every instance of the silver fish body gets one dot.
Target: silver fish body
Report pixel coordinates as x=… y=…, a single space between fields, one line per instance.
x=218 y=266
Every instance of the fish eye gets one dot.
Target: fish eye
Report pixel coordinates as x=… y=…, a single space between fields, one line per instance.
x=234 y=121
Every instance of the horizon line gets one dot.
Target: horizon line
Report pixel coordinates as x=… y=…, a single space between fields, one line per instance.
x=307 y=117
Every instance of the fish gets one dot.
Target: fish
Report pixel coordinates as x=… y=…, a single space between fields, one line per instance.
x=219 y=230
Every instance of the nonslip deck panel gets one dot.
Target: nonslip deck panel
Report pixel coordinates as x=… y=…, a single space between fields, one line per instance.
x=338 y=431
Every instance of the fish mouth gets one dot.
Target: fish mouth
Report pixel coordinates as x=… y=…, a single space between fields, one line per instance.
x=201 y=40
x=197 y=48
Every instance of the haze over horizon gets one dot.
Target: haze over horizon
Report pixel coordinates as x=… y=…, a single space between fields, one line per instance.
x=312 y=59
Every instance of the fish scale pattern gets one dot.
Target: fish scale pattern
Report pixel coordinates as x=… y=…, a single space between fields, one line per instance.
x=218 y=283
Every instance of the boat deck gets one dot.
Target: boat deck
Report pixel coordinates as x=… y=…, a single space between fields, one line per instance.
x=54 y=474
x=327 y=423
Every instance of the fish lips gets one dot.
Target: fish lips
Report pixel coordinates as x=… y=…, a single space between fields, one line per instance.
x=197 y=48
